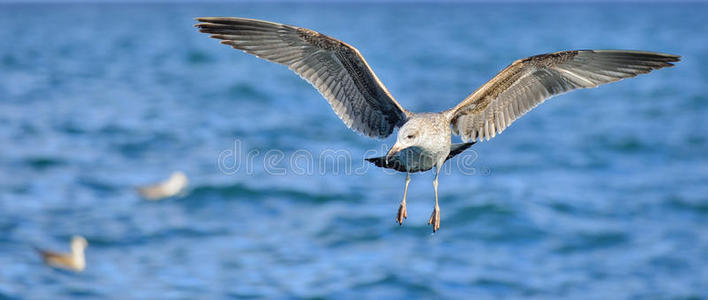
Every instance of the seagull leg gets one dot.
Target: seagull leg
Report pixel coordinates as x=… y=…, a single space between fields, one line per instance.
x=402 y=213
x=435 y=217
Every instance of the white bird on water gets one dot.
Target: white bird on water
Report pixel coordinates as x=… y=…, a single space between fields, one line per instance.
x=339 y=72
x=168 y=188
x=73 y=261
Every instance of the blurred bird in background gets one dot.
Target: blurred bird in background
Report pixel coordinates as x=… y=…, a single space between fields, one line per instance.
x=73 y=261
x=164 y=189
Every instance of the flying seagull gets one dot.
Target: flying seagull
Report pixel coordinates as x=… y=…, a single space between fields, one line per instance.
x=340 y=73
x=74 y=261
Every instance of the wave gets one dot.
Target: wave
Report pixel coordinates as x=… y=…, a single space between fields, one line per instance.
x=243 y=191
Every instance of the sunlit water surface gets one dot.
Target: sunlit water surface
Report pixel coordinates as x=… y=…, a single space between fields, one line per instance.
x=595 y=194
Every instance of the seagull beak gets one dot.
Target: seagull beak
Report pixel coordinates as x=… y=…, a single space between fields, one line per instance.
x=395 y=149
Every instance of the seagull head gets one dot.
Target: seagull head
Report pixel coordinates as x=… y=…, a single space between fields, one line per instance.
x=78 y=244
x=409 y=135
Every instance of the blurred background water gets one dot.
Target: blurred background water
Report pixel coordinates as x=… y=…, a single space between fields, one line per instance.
x=598 y=193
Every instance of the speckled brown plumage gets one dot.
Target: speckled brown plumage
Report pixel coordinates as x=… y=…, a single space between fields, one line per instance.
x=340 y=73
x=334 y=68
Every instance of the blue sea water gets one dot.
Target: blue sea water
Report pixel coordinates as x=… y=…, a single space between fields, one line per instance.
x=599 y=194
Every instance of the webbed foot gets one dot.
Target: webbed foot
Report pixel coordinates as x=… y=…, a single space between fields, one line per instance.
x=435 y=219
x=402 y=213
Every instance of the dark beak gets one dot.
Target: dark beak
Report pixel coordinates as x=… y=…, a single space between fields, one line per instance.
x=395 y=149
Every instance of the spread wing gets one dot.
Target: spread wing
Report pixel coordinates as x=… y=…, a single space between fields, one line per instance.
x=335 y=68
x=527 y=82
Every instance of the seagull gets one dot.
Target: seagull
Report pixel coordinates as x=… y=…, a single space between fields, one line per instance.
x=343 y=77
x=74 y=261
x=168 y=188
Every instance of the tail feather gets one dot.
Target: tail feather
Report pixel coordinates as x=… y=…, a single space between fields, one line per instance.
x=392 y=164
x=395 y=164
x=456 y=149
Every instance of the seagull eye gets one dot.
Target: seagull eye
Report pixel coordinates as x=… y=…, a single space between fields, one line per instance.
x=410 y=136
